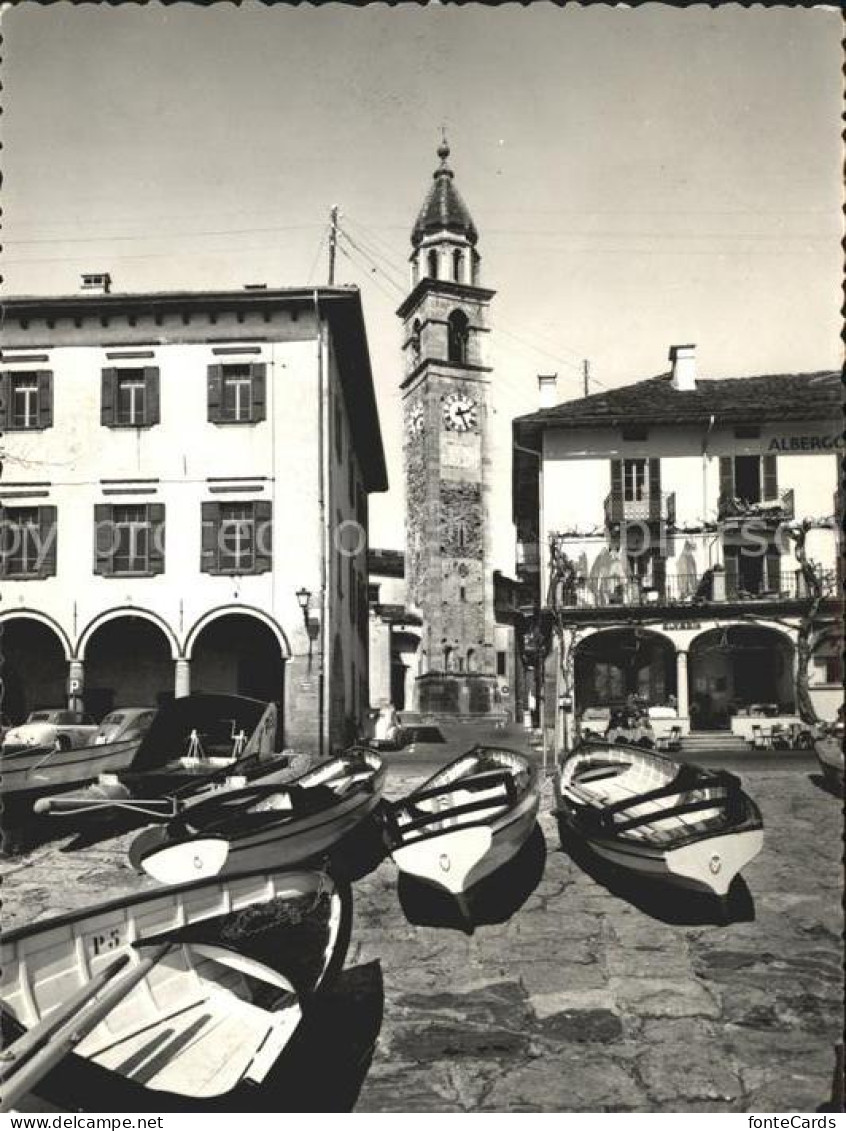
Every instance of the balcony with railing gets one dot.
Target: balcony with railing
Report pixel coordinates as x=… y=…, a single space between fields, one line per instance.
x=682 y=590
x=655 y=506
x=732 y=510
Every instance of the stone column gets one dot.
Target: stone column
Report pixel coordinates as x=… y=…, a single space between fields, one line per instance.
x=182 y=679
x=681 y=684
x=76 y=684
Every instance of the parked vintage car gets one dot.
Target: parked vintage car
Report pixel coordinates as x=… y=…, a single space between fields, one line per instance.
x=126 y=722
x=55 y=726
x=385 y=731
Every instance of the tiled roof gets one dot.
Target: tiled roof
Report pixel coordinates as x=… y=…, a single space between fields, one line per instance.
x=443 y=207
x=774 y=396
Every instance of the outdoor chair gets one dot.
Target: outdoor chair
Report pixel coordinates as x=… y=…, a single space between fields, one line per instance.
x=760 y=740
x=671 y=741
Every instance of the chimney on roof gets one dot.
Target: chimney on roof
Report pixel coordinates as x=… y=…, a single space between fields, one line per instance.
x=99 y=284
x=684 y=367
x=547 y=389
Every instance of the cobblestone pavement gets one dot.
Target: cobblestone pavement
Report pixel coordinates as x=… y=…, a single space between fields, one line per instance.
x=584 y=1000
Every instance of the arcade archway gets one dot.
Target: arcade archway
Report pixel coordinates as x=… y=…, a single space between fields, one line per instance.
x=733 y=667
x=612 y=665
x=34 y=669
x=128 y=663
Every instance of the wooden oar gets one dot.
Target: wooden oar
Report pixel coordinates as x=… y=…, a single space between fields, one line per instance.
x=62 y=1042
x=58 y=807
x=12 y=1057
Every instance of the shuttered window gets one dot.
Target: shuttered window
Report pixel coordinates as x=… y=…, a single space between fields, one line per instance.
x=237 y=537
x=28 y=537
x=129 y=539
x=27 y=400
x=129 y=397
x=634 y=480
x=237 y=393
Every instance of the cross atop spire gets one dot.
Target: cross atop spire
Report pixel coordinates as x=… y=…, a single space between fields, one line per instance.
x=443 y=209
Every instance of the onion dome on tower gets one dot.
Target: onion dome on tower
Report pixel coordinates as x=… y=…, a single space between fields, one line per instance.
x=444 y=236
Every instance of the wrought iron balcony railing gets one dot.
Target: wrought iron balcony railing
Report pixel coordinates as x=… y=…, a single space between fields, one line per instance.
x=656 y=507
x=683 y=590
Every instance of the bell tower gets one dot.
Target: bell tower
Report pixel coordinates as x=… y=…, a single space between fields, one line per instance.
x=445 y=393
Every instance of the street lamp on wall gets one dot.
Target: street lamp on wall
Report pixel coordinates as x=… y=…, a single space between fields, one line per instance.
x=312 y=624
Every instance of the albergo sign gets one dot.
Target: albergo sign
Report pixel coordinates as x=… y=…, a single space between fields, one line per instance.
x=805 y=443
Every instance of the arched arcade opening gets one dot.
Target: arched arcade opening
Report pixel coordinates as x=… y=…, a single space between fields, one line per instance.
x=614 y=664
x=735 y=667
x=128 y=663
x=34 y=668
x=238 y=654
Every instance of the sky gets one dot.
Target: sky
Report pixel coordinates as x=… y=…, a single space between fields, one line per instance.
x=638 y=177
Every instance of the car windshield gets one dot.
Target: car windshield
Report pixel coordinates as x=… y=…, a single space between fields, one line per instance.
x=39 y=717
x=112 y=720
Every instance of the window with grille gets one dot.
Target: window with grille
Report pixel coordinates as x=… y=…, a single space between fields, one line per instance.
x=28 y=542
x=236 y=393
x=237 y=537
x=237 y=533
x=129 y=397
x=132 y=540
x=634 y=480
x=129 y=539
x=27 y=400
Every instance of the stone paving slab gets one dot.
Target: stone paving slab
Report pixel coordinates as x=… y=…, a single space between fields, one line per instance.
x=582 y=1000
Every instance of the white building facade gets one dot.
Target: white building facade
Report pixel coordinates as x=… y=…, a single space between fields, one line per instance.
x=184 y=502
x=661 y=519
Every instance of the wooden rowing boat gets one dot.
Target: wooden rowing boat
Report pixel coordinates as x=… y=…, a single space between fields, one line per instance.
x=193 y=741
x=29 y=773
x=466 y=821
x=662 y=820
x=235 y=964
x=266 y=824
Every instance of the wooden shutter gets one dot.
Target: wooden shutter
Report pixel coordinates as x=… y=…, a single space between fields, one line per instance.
x=731 y=564
x=659 y=574
x=616 y=478
x=615 y=512
x=156 y=520
x=152 y=413
x=104 y=539
x=209 y=554
x=48 y=534
x=726 y=477
x=263 y=515
x=654 y=489
x=773 y=566
x=258 y=383
x=108 y=398
x=45 y=398
x=770 y=478
x=215 y=393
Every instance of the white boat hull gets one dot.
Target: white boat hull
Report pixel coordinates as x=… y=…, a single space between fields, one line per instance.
x=310 y=838
x=194 y=1026
x=457 y=850
x=709 y=865
x=662 y=821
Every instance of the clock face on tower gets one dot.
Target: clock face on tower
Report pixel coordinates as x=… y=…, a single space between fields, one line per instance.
x=460 y=413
